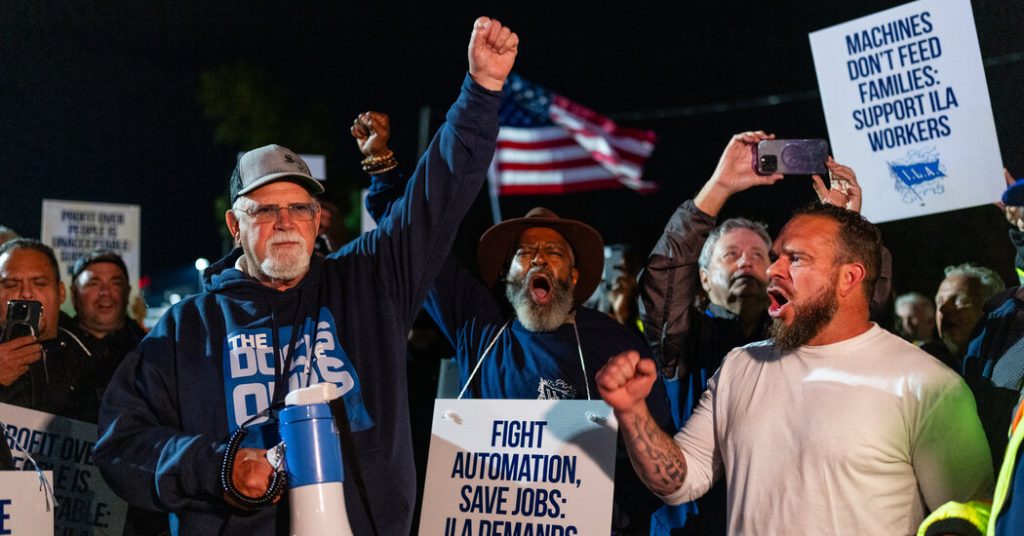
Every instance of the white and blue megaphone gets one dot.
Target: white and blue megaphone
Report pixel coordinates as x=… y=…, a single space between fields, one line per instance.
x=312 y=457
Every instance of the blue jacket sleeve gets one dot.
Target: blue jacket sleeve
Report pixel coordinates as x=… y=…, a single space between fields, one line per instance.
x=415 y=237
x=385 y=189
x=456 y=295
x=142 y=452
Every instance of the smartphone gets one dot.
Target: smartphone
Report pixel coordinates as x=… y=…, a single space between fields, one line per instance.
x=22 y=319
x=791 y=157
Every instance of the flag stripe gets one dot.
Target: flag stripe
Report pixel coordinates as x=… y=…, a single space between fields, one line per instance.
x=556 y=175
x=555 y=188
x=566 y=140
x=567 y=154
x=544 y=166
x=533 y=135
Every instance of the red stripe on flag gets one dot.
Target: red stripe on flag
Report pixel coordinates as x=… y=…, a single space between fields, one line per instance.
x=545 y=166
x=560 y=188
x=527 y=145
x=638 y=159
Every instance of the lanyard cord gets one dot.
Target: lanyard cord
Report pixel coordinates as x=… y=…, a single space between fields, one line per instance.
x=583 y=365
x=484 y=356
x=283 y=356
x=579 y=348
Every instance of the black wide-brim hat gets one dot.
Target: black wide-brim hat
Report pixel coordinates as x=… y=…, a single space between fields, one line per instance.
x=494 y=253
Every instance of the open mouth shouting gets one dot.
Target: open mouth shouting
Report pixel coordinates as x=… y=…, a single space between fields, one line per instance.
x=778 y=301
x=540 y=288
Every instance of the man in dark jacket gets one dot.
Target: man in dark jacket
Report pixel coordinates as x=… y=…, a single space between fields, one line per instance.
x=99 y=292
x=49 y=371
x=275 y=317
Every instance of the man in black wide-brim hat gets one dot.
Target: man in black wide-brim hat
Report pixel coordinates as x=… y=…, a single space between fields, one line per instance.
x=521 y=332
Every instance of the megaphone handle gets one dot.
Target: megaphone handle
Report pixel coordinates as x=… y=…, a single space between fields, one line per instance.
x=277 y=482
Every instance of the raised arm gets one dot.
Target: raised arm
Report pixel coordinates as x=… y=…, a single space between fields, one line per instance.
x=624 y=383
x=670 y=280
x=416 y=235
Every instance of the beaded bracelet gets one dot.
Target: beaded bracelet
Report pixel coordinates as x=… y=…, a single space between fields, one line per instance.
x=382 y=168
x=373 y=161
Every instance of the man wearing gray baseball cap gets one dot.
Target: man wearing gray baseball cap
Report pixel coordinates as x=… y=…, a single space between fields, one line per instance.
x=274 y=318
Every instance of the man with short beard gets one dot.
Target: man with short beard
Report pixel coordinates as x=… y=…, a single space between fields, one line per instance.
x=836 y=426
x=275 y=317
x=536 y=341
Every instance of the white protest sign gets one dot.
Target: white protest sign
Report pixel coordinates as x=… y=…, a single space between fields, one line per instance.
x=64 y=446
x=74 y=228
x=24 y=505
x=526 y=467
x=907 y=107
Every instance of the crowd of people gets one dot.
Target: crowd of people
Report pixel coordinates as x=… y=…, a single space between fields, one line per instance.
x=755 y=390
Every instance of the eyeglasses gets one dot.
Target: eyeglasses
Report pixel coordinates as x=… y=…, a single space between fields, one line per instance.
x=269 y=213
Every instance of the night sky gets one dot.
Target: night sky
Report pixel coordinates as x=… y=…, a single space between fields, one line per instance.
x=99 y=101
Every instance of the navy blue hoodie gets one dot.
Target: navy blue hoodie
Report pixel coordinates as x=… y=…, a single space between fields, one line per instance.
x=209 y=364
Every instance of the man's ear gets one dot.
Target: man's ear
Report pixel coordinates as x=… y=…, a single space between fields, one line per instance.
x=851 y=278
x=705 y=280
x=232 y=222
x=575 y=274
x=62 y=291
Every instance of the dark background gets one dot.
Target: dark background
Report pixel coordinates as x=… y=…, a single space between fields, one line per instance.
x=99 y=101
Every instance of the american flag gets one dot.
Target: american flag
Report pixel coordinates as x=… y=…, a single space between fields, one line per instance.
x=550 y=145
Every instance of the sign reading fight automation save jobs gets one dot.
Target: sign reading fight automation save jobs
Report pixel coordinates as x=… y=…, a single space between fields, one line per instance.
x=526 y=467
x=907 y=107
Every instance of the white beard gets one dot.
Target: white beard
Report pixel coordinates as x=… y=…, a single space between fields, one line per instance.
x=286 y=264
x=540 y=318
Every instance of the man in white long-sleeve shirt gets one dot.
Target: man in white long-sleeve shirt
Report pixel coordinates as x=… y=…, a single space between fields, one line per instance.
x=834 y=426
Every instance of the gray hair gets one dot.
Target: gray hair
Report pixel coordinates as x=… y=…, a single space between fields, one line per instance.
x=914 y=297
x=731 y=224
x=7 y=234
x=991 y=283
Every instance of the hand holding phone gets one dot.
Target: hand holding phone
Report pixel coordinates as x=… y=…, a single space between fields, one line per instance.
x=791 y=157
x=734 y=172
x=16 y=356
x=22 y=319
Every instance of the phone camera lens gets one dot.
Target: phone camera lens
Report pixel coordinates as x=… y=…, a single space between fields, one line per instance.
x=769 y=163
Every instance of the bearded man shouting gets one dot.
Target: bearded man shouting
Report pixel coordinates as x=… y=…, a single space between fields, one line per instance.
x=833 y=426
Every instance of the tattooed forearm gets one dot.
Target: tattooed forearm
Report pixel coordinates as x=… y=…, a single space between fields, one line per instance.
x=656 y=458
